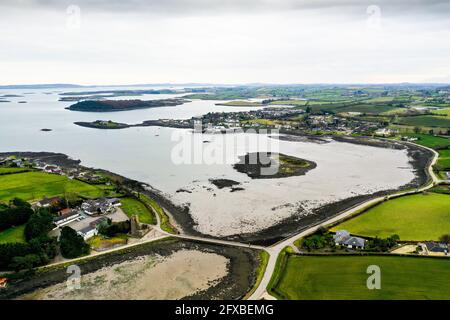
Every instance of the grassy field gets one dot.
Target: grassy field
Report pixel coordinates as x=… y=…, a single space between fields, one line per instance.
x=163 y=217
x=431 y=141
x=4 y=170
x=12 y=235
x=445 y=112
x=344 y=277
x=415 y=217
x=133 y=207
x=98 y=242
x=444 y=160
x=35 y=185
x=426 y=121
x=240 y=103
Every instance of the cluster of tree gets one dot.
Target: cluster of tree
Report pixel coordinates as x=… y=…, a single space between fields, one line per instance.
x=39 y=248
x=445 y=238
x=382 y=245
x=17 y=213
x=319 y=240
x=71 y=244
x=110 y=229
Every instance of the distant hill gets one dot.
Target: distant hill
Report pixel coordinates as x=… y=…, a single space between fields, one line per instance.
x=41 y=86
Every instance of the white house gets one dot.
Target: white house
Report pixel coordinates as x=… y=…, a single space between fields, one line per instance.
x=88 y=232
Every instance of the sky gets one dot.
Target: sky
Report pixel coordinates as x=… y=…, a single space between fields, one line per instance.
x=224 y=42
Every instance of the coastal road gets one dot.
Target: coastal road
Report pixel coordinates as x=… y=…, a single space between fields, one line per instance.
x=275 y=249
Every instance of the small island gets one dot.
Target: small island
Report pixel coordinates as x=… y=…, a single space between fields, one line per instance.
x=103 y=124
x=253 y=164
x=122 y=105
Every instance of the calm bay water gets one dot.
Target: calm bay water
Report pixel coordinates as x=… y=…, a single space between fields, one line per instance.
x=145 y=154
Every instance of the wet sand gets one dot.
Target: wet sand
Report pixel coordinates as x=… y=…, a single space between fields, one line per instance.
x=164 y=269
x=147 y=277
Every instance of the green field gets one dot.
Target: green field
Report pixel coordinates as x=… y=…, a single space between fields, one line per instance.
x=431 y=141
x=344 y=277
x=443 y=162
x=425 y=121
x=240 y=103
x=445 y=112
x=163 y=217
x=35 y=185
x=14 y=234
x=4 y=170
x=416 y=217
x=133 y=207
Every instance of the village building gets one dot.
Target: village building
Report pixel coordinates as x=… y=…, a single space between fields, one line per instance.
x=344 y=239
x=88 y=232
x=436 y=247
x=48 y=202
x=3 y=283
x=73 y=215
x=100 y=206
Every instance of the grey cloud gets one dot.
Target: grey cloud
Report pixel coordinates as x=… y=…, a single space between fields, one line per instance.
x=190 y=7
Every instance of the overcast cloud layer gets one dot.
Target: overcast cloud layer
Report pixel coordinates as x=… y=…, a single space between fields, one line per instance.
x=291 y=41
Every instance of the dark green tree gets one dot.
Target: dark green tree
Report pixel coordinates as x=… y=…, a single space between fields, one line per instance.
x=40 y=223
x=72 y=245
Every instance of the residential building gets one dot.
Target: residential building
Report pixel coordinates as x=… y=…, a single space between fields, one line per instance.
x=48 y=202
x=73 y=215
x=436 y=247
x=88 y=232
x=100 y=206
x=344 y=239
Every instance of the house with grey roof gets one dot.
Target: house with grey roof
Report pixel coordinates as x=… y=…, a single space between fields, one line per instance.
x=437 y=247
x=100 y=206
x=344 y=239
x=73 y=215
x=88 y=232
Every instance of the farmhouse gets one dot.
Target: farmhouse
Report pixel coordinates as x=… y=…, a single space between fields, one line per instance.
x=343 y=238
x=436 y=247
x=88 y=232
x=67 y=218
x=100 y=206
x=48 y=202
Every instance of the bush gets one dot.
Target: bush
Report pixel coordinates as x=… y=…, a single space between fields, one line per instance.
x=40 y=223
x=10 y=250
x=111 y=229
x=72 y=245
x=27 y=262
x=16 y=214
x=382 y=245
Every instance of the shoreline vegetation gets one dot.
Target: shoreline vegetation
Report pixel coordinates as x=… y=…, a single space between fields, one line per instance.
x=123 y=105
